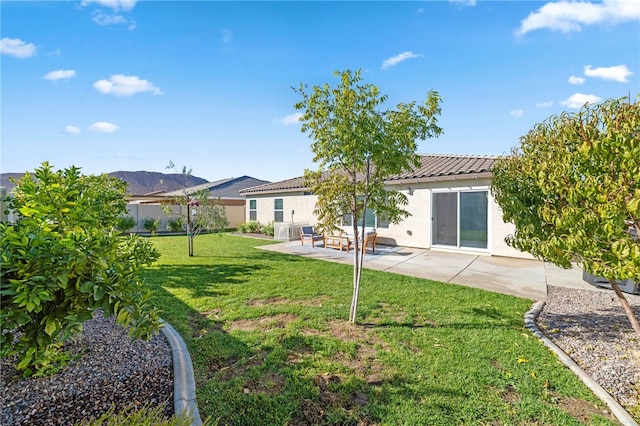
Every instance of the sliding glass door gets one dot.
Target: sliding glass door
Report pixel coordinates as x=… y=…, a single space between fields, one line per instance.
x=460 y=219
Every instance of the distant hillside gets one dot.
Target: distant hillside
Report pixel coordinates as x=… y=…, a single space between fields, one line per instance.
x=138 y=183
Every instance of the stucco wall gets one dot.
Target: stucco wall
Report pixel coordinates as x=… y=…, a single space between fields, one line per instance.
x=302 y=206
x=235 y=215
x=413 y=231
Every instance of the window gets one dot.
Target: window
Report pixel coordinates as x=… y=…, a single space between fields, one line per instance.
x=278 y=210
x=460 y=219
x=253 y=211
x=370 y=220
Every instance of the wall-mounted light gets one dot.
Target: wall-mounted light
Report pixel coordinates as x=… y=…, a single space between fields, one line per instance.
x=409 y=190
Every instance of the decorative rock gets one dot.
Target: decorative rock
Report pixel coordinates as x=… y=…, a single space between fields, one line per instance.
x=111 y=371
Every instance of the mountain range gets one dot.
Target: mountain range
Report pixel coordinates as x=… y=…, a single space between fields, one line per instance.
x=138 y=183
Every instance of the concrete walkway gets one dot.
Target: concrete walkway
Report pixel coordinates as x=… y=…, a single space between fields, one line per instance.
x=518 y=277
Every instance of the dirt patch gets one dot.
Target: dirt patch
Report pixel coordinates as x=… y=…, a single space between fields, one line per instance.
x=200 y=325
x=269 y=301
x=510 y=395
x=270 y=384
x=316 y=412
x=230 y=368
x=580 y=409
x=300 y=354
x=314 y=302
x=264 y=323
x=365 y=361
x=393 y=314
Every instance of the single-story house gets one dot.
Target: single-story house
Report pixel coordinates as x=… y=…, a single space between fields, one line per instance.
x=225 y=190
x=449 y=200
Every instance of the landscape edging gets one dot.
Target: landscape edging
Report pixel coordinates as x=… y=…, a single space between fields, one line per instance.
x=618 y=410
x=184 y=386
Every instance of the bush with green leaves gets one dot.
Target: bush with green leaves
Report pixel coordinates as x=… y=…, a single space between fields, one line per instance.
x=268 y=229
x=63 y=259
x=125 y=223
x=151 y=224
x=251 y=227
x=145 y=416
x=175 y=225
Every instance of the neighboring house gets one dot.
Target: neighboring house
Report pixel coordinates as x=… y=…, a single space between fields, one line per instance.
x=226 y=190
x=449 y=200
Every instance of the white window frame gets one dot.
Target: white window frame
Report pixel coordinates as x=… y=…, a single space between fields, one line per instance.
x=253 y=210
x=458 y=191
x=275 y=210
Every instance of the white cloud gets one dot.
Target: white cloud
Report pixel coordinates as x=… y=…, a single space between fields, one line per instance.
x=290 y=119
x=569 y=16
x=397 y=59
x=516 y=113
x=60 y=75
x=577 y=100
x=576 y=80
x=544 y=104
x=16 y=47
x=125 y=85
x=464 y=2
x=104 y=19
x=103 y=127
x=113 y=4
x=72 y=130
x=618 y=73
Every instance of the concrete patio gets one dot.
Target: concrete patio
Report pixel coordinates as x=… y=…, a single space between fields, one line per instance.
x=518 y=277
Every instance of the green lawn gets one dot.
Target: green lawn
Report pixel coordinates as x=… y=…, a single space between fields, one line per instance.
x=271 y=345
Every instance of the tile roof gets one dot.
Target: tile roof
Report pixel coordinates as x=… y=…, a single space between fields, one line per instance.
x=224 y=188
x=432 y=166
x=439 y=165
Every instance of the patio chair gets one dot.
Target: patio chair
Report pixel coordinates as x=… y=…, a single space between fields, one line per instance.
x=309 y=234
x=369 y=239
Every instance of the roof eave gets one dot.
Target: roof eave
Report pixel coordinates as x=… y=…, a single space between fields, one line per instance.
x=440 y=178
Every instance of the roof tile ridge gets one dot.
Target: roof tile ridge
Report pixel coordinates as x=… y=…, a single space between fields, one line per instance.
x=461 y=155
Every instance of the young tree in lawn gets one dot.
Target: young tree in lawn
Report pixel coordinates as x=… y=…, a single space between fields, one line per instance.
x=63 y=259
x=212 y=215
x=572 y=189
x=357 y=145
x=201 y=213
x=189 y=200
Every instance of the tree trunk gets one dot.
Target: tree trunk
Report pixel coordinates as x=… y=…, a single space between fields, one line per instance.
x=626 y=307
x=357 y=267
x=189 y=230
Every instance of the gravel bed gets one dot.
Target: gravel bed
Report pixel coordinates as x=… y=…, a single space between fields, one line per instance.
x=592 y=328
x=113 y=371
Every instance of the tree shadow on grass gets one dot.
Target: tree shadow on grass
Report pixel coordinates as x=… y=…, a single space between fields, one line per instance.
x=201 y=280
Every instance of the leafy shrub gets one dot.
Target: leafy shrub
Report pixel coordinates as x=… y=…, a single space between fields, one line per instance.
x=144 y=416
x=251 y=227
x=151 y=224
x=125 y=223
x=63 y=259
x=268 y=229
x=174 y=225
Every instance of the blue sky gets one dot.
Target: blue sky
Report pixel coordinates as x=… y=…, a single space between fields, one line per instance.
x=131 y=85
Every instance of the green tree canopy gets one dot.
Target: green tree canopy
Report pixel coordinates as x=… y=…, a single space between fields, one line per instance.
x=358 y=145
x=572 y=189
x=63 y=259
